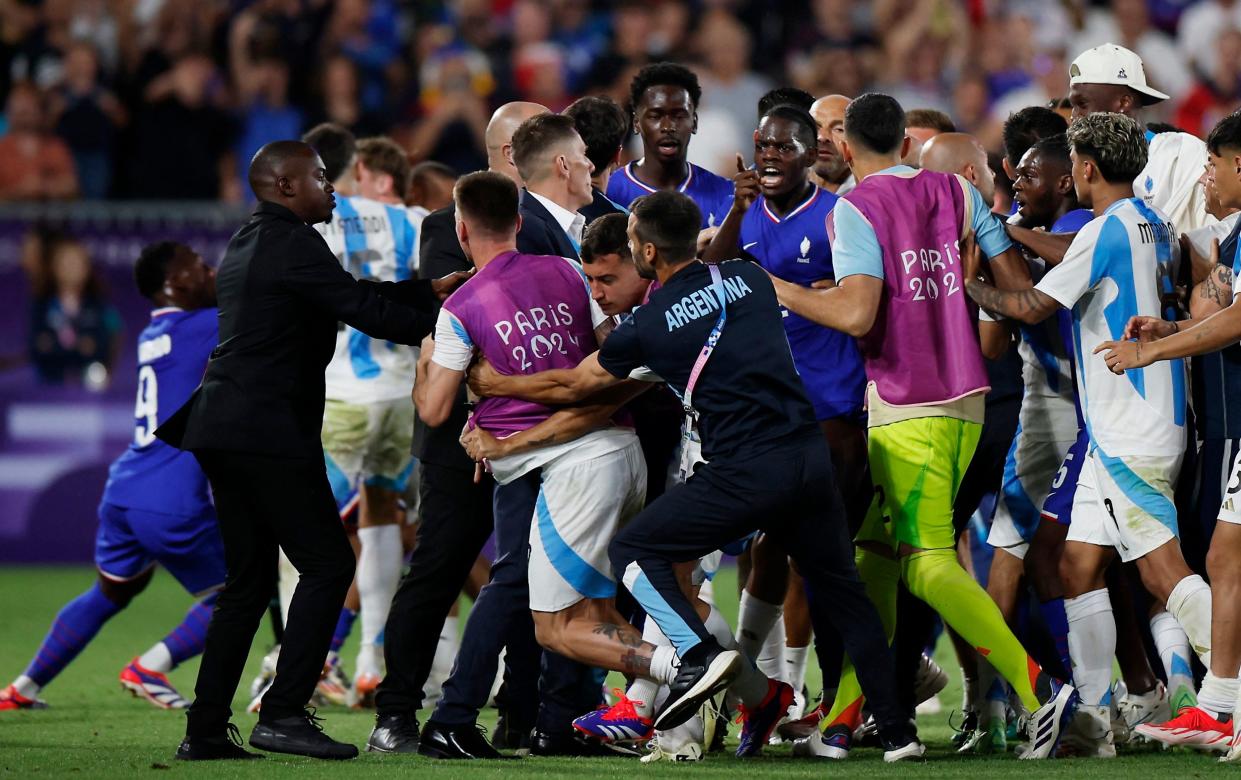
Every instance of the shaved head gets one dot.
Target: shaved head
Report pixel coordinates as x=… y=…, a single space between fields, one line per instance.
x=277 y=159
x=290 y=173
x=829 y=115
x=829 y=107
x=960 y=153
x=499 y=136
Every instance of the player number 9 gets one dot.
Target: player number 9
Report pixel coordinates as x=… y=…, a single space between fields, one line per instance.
x=146 y=408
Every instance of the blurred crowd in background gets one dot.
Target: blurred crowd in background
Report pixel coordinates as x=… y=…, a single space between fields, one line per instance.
x=168 y=99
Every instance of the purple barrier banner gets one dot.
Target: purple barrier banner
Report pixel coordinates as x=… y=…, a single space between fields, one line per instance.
x=56 y=442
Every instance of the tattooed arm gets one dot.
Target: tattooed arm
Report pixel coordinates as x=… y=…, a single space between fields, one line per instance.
x=1030 y=306
x=1213 y=294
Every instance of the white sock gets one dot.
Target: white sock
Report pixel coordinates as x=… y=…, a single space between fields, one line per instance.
x=1173 y=647
x=771 y=657
x=995 y=694
x=706 y=592
x=286 y=584
x=969 y=693
x=643 y=691
x=1218 y=695
x=795 y=666
x=445 y=657
x=755 y=619
x=1092 y=644
x=27 y=687
x=664 y=664
x=719 y=628
x=750 y=686
x=1190 y=603
x=157 y=659
x=378 y=574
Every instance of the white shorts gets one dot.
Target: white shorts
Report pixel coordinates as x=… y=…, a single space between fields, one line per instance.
x=368 y=443
x=1230 y=508
x=1029 y=470
x=1126 y=503
x=581 y=506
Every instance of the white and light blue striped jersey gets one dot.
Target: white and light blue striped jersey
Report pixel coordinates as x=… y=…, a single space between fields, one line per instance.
x=1119 y=266
x=375 y=241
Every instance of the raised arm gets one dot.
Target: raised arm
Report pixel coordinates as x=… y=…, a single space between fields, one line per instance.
x=727 y=239
x=556 y=387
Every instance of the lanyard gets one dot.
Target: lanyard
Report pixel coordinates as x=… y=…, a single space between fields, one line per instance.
x=717 y=284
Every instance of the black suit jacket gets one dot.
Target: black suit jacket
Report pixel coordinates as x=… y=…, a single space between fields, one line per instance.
x=281 y=293
x=601 y=206
x=540 y=233
x=439 y=254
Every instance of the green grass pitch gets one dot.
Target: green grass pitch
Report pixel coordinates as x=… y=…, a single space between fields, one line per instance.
x=93 y=729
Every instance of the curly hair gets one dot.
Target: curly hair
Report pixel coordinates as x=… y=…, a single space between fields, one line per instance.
x=1115 y=142
x=664 y=74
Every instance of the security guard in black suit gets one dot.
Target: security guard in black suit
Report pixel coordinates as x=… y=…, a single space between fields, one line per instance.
x=254 y=426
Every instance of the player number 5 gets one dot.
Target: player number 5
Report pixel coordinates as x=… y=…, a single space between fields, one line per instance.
x=146 y=408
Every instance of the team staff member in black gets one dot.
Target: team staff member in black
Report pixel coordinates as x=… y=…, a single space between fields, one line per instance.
x=767 y=466
x=254 y=426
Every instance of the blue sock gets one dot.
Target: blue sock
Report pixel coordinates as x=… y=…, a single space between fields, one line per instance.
x=344 y=624
x=72 y=630
x=187 y=640
x=1058 y=626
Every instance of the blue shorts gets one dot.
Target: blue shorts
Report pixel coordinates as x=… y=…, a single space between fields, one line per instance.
x=1058 y=506
x=131 y=541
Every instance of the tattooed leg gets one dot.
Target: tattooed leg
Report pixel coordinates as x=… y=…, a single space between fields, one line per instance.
x=594 y=633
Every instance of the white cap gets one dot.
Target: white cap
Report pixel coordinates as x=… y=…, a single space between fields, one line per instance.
x=1112 y=64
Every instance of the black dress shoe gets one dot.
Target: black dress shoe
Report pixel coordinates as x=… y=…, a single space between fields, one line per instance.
x=510 y=735
x=465 y=741
x=706 y=669
x=569 y=744
x=395 y=733
x=226 y=746
x=300 y=735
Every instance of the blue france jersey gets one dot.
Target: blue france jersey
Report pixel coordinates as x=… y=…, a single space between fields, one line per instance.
x=795 y=248
x=172 y=356
x=712 y=193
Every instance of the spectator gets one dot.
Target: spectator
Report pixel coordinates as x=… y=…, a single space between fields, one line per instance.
x=36 y=165
x=455 y=84
x=180 y=124
x=1216 y=94
x=340 y=99
x=728 y=84
x=74 y=331
x=264 y=111
x=632 y=29
x=367 y=33
x=1127 y=23
x=88 y=117
x=1199 y=28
